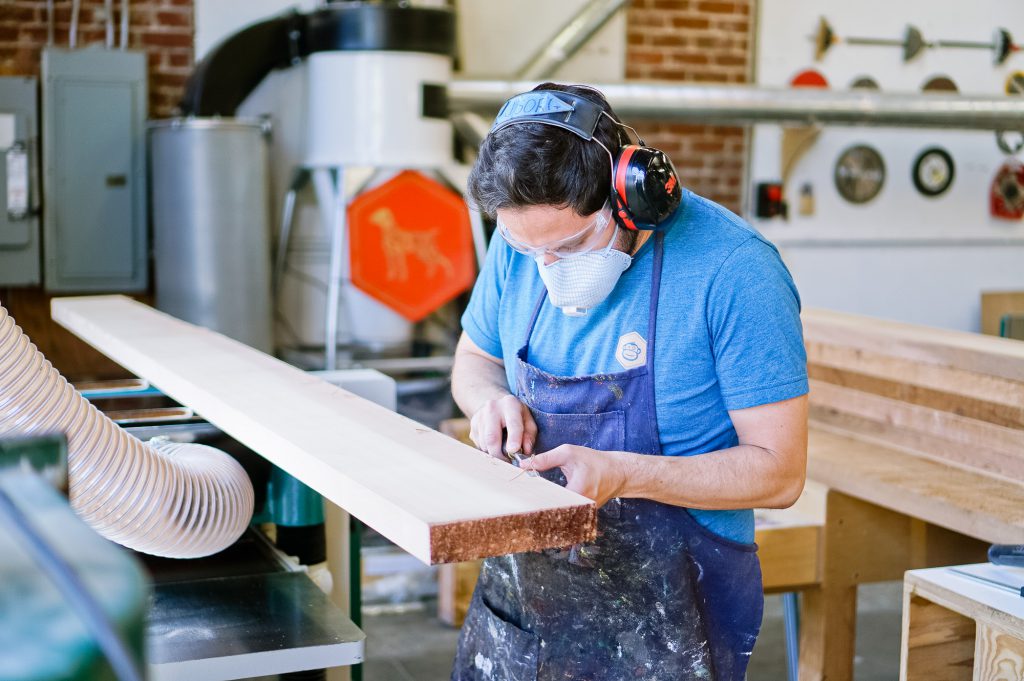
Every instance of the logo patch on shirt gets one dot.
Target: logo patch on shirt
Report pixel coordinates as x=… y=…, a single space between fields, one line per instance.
x=632 y=350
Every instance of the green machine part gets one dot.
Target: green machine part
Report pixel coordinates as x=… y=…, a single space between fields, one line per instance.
x=291 y=502
x=42 y=638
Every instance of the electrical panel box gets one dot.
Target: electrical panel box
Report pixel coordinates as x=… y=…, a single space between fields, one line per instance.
x=94 y=170
x=19 y=183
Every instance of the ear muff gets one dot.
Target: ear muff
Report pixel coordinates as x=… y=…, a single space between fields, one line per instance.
x=646 y=188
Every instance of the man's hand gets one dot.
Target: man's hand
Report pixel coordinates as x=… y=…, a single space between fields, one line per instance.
x=504 y=413
x=595 y=474
x=481 y=391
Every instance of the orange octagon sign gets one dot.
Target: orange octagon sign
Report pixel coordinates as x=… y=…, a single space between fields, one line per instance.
x=411 y=245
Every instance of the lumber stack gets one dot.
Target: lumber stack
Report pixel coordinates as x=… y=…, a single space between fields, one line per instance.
x=916 y=432
x=954 y=401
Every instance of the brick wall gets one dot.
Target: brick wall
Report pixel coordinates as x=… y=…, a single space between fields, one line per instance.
x=163 y=28
x=697 y=41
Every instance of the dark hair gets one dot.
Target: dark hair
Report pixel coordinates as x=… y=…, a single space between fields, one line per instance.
x=533 y=164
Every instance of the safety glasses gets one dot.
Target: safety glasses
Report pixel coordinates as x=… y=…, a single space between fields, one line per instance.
x=587 y=239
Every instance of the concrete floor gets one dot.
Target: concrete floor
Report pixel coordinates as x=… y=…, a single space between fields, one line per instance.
x=415 y=646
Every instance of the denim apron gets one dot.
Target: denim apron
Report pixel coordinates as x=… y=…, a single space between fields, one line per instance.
x=656 y=596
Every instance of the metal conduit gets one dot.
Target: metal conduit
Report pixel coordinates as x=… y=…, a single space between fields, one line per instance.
x=570 y=38
x=737 y=105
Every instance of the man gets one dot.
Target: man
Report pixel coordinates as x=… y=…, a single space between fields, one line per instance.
x=666 y=380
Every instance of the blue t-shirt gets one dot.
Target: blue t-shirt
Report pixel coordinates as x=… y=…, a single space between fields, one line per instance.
x=728 y=331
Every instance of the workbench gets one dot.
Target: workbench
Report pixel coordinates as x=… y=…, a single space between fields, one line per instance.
x=918 y=434
x=959 y=629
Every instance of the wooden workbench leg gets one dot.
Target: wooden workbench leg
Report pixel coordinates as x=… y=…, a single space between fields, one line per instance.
x=828 y=618
x=861 y=543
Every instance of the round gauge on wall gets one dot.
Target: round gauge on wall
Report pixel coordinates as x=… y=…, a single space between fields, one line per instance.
x=865 y=83
x=933 y=171
x=940 y=84
x=859 y=174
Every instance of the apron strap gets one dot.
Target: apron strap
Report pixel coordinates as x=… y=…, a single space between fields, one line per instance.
x=652 y=329
x=533 y=318
x=652 y=321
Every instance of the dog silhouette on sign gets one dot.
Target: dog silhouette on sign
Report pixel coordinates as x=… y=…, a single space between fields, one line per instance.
x=398 y=243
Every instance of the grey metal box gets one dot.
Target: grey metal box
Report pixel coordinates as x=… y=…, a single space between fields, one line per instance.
x=19 y=237
x=94 y=170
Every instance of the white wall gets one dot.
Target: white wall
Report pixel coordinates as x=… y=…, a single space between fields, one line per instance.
x=498 y=38
x=217 y=19
x=902 y=255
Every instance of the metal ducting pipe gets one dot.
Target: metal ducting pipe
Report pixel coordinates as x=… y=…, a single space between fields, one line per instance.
x=471 y=127
x=237 y=65
x=167 y=499
x=211 y=224
x=570 y=39
x=738 y=105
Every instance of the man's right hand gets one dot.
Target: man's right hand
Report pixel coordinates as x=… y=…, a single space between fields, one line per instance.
x=506 y=414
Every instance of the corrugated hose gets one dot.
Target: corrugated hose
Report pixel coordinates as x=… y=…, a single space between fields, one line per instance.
x=166 y=499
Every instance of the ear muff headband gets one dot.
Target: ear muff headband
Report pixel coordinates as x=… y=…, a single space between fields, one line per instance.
x=565 y=110
x=621 y=203
x=649 y=203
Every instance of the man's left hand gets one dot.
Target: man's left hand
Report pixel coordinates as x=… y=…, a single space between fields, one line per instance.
x=596 y=474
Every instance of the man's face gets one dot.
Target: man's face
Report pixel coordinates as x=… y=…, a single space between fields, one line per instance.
x=538 y=226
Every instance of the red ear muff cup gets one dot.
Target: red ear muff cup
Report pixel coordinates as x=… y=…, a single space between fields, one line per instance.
x=646 y=187
x=652 y=188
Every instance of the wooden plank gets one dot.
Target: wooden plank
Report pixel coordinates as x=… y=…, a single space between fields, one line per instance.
x=980 y=506
x=440 y=500
x=975 y=459
x=899 y=384
x=937 y=644
x=998 y=656
x=954 y=427
x=942 y=378
x=789 y=541
x=939 y=435
x=995 y=304
x=973 y=352
x=789 y=558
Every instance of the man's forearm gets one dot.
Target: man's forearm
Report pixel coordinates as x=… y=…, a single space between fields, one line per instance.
x=476 y=380
x=745 y=476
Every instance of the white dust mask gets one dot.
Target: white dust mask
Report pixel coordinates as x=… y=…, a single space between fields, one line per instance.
x=580 y=282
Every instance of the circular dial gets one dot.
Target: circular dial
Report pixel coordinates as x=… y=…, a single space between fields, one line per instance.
x=859 y=174
x=933 y=171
